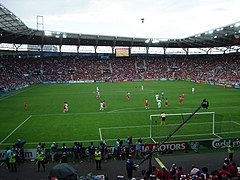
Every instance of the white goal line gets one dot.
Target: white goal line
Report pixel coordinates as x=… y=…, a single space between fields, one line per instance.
x=180 y=114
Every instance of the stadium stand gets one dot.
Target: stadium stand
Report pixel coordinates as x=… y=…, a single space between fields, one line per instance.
x=18 y=73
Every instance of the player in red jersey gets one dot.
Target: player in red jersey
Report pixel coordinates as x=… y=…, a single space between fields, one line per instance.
x=25 y=105
x=128 y=96
x=146 y=104
x=183 y=95
x=104 y=104
x=180 y=100
x=65 y=107
x=166 y=102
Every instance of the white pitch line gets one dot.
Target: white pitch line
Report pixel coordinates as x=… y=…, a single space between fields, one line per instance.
x=235 y=122
x=104 y=112
x=123 y=127
x=16 y=129
x=100 y=133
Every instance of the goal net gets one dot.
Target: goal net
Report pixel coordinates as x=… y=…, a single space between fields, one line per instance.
x=201 y=126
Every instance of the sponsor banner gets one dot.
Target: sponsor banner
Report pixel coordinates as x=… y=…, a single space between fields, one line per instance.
x=150 y=79
x=136 y=80
x=203 y=82
x=28 y=154
x=237 y=86
x=171 y=146
x=229 y=86
x=213 y=144
x=218 y=84
x=49 y=82
x=82 y=81
x=100 y=80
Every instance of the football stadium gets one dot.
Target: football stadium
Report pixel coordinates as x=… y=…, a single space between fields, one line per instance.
x=118 y=107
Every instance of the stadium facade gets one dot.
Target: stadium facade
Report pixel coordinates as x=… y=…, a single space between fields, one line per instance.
x=16 y=36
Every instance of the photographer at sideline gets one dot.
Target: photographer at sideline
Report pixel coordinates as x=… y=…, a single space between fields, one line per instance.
x=130 y=166
x=20 y=151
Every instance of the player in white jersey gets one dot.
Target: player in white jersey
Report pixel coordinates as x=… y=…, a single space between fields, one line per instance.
x=142 y=87
x=159 y=103
x=162 y=93
x=193 y=90
x=157 y=97
x=101 y=106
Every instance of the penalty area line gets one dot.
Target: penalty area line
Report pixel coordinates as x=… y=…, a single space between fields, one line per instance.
x=16 y=129
x=100 y=133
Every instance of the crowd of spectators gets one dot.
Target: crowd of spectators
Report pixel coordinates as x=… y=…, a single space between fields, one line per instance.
x=17 y=73
x=121 y=151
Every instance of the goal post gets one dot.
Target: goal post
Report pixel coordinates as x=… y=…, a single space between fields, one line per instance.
x=201 y=124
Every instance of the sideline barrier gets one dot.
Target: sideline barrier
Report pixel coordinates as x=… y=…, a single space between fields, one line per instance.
x=167 y=147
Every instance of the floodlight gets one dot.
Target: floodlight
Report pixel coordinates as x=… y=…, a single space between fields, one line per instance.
x=147 y=41
x=210 y=32
x=155 y=40
x=237 y=24
x=47 y=33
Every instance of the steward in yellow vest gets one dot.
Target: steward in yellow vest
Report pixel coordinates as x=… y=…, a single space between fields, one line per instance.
x=230 y=151
x=98 y=157
x=40 y=159
x=13 y=162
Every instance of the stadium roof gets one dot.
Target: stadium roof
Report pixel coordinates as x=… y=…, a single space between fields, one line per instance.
x=14 y=31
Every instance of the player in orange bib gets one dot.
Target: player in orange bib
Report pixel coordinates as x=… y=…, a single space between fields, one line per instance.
x=166 y=102
x=183 y=95
x=146 y=104
x=25 y=105
x=180 y=100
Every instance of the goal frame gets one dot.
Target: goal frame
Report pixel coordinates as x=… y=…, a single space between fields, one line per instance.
x=181 y=114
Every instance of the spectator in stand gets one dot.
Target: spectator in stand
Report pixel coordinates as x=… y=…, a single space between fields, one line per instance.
x=165 y=173
x=233 y=170
x=205 y=174
x=195 y=171
x=156 y=173
x=173 y=172
x=24 y=72
x=223 y=173
x=179 y=172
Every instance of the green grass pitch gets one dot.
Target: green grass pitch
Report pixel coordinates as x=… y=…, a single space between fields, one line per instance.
x=44 y=120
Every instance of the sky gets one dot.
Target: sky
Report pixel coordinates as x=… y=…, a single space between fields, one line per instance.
x=166 y=19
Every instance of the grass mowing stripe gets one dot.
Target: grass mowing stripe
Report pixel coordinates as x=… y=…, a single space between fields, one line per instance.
x=16 y=129
x=14 y=94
